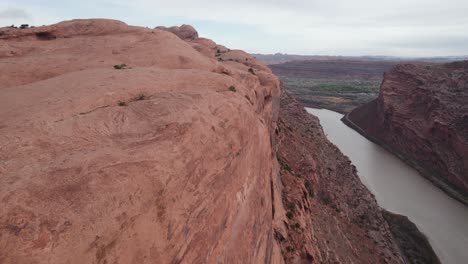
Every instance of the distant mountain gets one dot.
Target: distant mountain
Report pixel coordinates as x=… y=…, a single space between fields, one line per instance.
x=281 y=58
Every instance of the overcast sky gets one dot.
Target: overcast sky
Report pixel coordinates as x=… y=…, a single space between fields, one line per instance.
x=323 y=27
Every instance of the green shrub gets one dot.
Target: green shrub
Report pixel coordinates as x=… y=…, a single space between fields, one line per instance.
x=24 y=26
x=252 y=71
x=232 y=88
x=122 y=103
x=290 y=215
x=120 y=66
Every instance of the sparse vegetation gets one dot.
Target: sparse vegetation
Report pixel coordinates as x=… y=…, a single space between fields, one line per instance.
x=232 y=88
x=290 y=215
x=24 y=26
x=140 y=96
x=122 y=103
x=284 y=165
x=222 y=51
x=309 y=188
x=120 y=66
x=289 y=248
x=252 y=71
x=220 y=59
x=338 y=85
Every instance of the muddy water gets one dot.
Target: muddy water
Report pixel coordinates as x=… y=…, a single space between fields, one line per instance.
x=400 y=189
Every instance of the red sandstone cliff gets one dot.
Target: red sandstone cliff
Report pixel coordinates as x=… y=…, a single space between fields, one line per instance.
x=162 y=161
x=421 y=114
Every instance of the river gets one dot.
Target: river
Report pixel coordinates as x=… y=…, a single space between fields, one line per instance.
x=400 y=189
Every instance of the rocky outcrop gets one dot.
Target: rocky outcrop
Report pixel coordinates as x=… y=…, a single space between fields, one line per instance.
x=414 y=245
x=421 y=114
x=185 y=32
x=124 y=144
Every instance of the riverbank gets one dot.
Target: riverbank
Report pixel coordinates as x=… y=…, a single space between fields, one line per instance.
x=437 y=181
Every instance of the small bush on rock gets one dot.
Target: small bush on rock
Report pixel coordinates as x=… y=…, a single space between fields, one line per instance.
x=120 y=66
x=140 y=97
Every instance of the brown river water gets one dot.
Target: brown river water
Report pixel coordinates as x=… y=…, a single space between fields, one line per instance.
x=400 y=189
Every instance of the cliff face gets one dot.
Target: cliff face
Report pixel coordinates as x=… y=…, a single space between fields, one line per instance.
x=331 y=216
x=124 y=144
x=422 y=115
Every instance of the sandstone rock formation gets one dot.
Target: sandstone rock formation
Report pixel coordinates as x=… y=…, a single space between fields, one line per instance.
x=170 y=157
x=421 y=114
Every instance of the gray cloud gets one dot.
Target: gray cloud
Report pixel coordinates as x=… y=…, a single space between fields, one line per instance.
x=14 y=13
x=383 y=27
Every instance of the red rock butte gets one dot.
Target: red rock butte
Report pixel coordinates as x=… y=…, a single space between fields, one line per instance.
x=123 y=144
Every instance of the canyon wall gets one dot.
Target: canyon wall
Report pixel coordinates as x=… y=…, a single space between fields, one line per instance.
x=421 y=115
x=331 y=216
x=122 y=144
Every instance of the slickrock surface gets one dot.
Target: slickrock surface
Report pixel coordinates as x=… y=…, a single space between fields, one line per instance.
x=421 y=114
x=163 y=161
x=183 y=175
x=331 y=216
